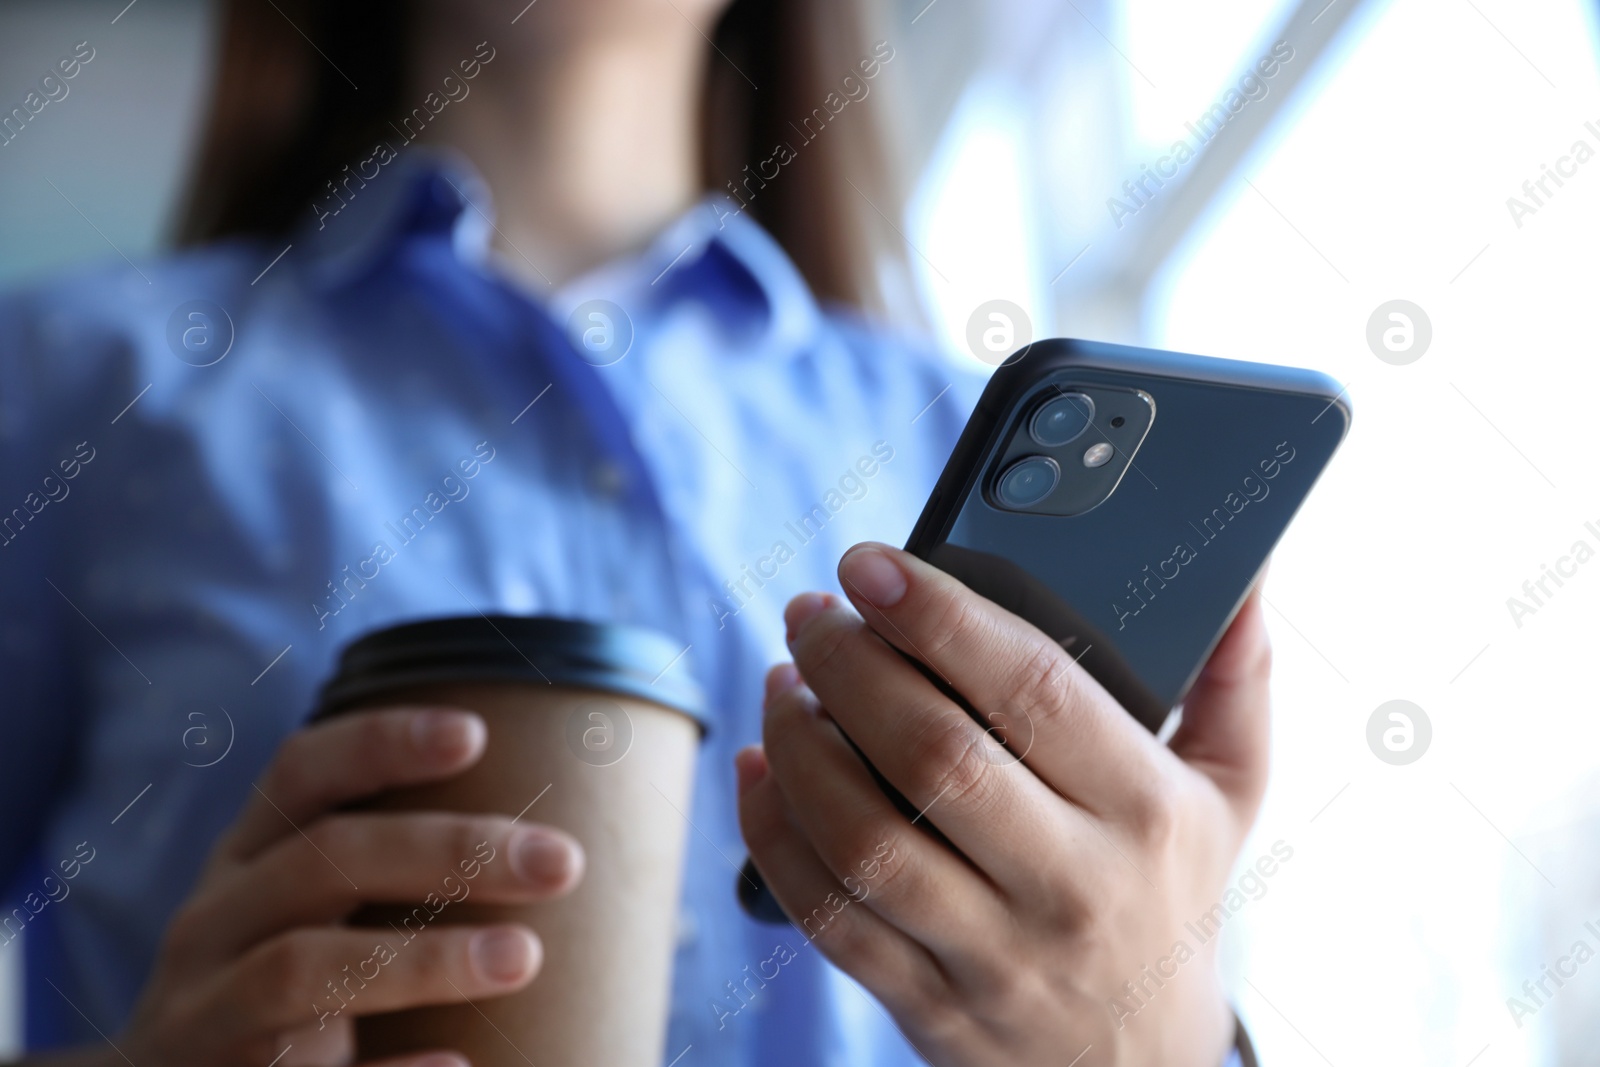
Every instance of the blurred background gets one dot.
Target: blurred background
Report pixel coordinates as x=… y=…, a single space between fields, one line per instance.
x=1374 y=165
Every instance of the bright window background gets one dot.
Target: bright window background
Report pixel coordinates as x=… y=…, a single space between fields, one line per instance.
x=1183 y=53
x=1421 y=897
x=114 y=147
x=1413 y=919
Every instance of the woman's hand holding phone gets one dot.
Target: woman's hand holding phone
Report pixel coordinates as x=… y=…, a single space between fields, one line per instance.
x=1078 y=864
x=246 y=964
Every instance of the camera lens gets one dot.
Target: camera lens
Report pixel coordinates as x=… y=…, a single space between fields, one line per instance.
x=1028 y=481
x=1061 y=420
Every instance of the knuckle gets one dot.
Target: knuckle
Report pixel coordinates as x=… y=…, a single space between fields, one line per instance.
x=947 y=759
x=1043 y=687
x=285 y=969
x=821 y=646
x=1046 y=672
x=289 y=776
x=824 y=926
x=935 y=1008
x=329 y=838
x=759 y=826
x=786 y=713
x=763 y=820
x=887 y=866
x=952 y=614
x=1000 y=982
x=792 y=727
x=381 y=740
x=441 y=952
x=1154 y=813
x=385 y=732
x=463 y=834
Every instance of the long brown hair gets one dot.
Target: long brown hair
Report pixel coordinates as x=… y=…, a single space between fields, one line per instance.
x=284 y=119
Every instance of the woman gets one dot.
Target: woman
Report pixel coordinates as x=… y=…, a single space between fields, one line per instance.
x=427 y=234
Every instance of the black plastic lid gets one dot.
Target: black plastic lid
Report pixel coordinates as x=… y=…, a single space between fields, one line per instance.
x=539 y=649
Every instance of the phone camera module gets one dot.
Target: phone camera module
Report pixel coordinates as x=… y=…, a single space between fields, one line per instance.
x=1061 y=420
x=1028 y=481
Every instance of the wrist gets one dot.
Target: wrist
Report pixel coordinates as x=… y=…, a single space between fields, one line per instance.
x=1195 y=1028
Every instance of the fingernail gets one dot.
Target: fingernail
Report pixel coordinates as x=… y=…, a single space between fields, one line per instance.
x=869 y=573
x=504 y=954
x=441 y=1059
x=750 y=764
x=447 y=732
x=543 y=859
x=802 y=609
x=781 y=679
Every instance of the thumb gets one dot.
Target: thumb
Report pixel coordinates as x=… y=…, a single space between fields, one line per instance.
x=1225 y=729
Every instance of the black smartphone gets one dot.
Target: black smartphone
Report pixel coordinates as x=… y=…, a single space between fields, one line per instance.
x=1123 y=500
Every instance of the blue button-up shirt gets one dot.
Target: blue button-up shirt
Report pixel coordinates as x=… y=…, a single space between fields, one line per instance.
x=218 y=467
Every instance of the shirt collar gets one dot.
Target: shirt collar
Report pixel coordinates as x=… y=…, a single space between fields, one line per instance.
x=714 y=254
x=349 y=233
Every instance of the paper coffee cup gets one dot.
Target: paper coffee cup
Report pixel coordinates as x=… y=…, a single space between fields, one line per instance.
x=590 y=732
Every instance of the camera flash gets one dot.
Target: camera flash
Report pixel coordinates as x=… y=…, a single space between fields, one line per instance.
x=1097 y=455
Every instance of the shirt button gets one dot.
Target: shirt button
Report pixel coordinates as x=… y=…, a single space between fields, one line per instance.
x=607 y=479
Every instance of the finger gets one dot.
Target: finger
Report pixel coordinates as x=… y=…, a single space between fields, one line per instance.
x=854 y=829
x=928 y=748
x=344 y=861
x=1225 y=732
x=1076 y=737
x=318 y=975
x=349 y=757
x=857 y=941
x=335 y=1043
x=332 y=1041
